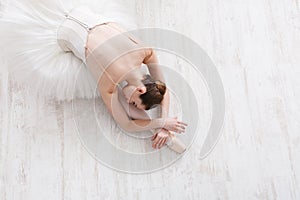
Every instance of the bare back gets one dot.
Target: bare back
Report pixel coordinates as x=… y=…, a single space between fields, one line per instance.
x=110 y=58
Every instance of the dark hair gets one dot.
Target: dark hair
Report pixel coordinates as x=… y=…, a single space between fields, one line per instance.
x=154 y=93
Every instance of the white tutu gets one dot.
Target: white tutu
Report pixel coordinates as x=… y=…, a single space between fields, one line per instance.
x=29 y=45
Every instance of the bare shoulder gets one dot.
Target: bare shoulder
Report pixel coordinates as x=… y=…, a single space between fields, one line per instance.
x=106 y=85
x=150 y=56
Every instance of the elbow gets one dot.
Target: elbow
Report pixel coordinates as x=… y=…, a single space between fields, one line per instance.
x=128 y=127
x=125 y=127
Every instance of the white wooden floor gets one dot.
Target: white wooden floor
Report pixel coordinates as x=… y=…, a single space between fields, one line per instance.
x=255 y=45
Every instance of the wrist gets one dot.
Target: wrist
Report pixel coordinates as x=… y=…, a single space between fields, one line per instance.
x=160 y=122
x=160 y=130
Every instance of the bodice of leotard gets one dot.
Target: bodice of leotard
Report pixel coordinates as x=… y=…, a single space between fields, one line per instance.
x=73 y=31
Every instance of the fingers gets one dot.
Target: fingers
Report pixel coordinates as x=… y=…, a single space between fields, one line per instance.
x=177 y=130
x=180 y=126
x=162 y=142
x=185 y=124
x=154 y=136
x=180 y=122
x=155 y=142
x=159 y=142
x=155 y=139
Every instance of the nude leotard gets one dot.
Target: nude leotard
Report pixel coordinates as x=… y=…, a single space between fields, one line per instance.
x=73 y=31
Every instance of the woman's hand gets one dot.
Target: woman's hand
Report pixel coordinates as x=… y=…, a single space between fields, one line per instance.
x=160 y=138
x=172 y=124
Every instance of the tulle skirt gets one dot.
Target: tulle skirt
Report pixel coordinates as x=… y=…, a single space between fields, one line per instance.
x=32 y=55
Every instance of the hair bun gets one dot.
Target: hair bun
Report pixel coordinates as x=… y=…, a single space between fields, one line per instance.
x=161 y=87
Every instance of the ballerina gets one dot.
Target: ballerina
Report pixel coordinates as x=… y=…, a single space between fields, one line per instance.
x=113 y=56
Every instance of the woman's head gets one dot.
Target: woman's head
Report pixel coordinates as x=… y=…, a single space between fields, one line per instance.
x=147 y=96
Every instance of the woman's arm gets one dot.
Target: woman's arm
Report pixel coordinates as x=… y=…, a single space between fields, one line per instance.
x=117 y=111
x=160 y=136
x=165 y=105
x=155 y=71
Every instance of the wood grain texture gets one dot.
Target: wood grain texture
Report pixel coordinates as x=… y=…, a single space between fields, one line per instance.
x=255 y=45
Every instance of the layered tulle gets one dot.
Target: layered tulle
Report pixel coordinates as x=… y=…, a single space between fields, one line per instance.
x=29 y=46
